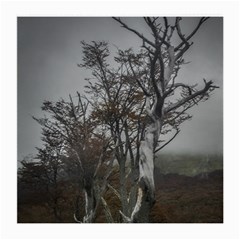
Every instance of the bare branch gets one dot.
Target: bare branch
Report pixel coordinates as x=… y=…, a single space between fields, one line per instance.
x=201 y=21
x=134 y=31
x=136 y=208
x=166 y=30
x=182 y=37
x=208 y=85
x=158 y=39
x=152 y=74
x=79 y=159
x=165 y=144
x=114 y=191
x=150 y=23
x=176 y=85
x=107 y=211
x=138 y=82
x=75 y=218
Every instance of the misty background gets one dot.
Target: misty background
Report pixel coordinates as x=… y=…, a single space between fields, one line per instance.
x=48 y=53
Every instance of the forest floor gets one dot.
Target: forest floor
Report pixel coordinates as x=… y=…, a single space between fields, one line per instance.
x=185 y=199
x=179 y=199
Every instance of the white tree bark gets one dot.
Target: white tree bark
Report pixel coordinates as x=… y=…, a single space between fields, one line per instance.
x=146 y=163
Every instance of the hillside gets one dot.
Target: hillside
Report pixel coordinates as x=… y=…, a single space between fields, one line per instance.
x=184 y=199
x=188 y=164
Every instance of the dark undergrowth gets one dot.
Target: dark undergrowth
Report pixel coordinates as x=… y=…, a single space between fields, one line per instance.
x=183 y=199
x=179 y=199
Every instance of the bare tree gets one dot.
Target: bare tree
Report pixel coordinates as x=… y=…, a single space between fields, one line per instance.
x=166 y=99
x=140 y=101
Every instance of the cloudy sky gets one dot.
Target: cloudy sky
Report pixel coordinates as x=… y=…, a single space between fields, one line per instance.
x=49 y=51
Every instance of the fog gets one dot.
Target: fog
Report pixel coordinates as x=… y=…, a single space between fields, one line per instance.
x=49 y=51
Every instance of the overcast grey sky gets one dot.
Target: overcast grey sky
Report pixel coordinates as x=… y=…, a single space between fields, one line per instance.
x=49 y=50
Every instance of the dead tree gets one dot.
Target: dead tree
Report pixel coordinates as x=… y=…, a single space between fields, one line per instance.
x=166 y=99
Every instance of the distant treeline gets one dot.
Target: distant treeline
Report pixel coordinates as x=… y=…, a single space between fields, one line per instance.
x=188 y=164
